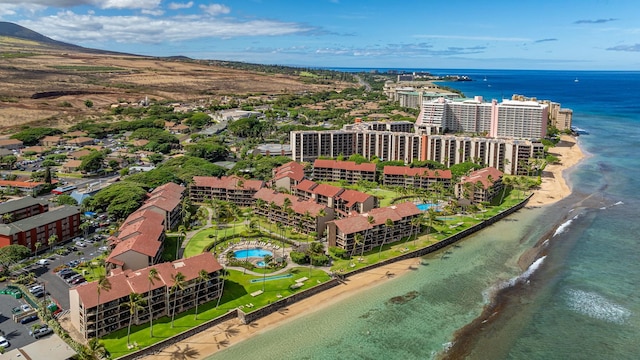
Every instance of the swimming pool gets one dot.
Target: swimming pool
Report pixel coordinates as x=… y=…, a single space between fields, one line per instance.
x=255 y=253
x=425 y=207
x=269 y=278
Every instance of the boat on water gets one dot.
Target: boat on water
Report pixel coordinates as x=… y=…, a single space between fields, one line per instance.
x=576 y=80
x=485 y=79
x=579 y=131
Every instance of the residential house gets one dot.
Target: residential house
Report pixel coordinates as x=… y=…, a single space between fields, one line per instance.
x=71 y=166
x=51 y=141
x=98 y=313
x=11 y=144
x=80 y=141
x=77 y=155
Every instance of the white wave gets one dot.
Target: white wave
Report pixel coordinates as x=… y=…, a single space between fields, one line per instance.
x=596 y=306
x=603 y=208
x=545 y=243
x=618 y=203
x=487 y=294
x=564 y=226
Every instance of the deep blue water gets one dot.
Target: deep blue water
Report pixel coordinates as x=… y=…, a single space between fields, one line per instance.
x=582 y=301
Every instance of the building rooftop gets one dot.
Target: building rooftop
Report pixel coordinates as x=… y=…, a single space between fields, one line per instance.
x=38 y=220
x=13 y=205
x=360 y=222
x=228 y=182
x=416 y=171
x=486 y=177
x=344 y=165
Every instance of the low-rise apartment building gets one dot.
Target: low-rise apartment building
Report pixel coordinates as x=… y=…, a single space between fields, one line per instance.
x=98 y=313
x=374 y=228
x=343 y=201
x=349 y=171
x=227 y=188
x=166 y=200
x=62 y=222
x=288 y=176
x=303 y=214
x=421 y=178
x=480 y=185
x=19 y=209
x=138 y=242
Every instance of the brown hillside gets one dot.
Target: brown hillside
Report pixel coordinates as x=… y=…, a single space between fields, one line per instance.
x=39 y=83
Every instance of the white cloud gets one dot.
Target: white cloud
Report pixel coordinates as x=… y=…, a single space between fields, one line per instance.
x=464 y=37
x=83 y=29
x=128 y=4
x=103 y=4
x=215 y=9
x=153 y=12
x=178 y=6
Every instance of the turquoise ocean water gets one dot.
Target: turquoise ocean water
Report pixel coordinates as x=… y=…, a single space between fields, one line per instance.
x=580 y=299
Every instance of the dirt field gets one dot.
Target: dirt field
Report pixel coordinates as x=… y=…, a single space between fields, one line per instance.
x=28 y=70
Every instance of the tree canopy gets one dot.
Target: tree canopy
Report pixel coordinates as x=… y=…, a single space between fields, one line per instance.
x=11 y=254
x=31 y=136
x=119 y=199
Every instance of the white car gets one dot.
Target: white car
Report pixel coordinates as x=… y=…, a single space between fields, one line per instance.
x=43 y=261
x=3 y=342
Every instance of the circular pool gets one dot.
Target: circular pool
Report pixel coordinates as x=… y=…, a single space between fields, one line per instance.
x=252 y=253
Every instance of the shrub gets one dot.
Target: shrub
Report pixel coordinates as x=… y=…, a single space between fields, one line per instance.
x=319 y=260
x=299 y=257
x=339 y=252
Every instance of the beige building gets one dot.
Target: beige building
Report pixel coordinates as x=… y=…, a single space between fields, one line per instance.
x=420 y=178
x=227 y=188
x=480 y=185
x=96 y=315
x=349 y=171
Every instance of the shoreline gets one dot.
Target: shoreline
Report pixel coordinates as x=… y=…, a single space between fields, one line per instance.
x=554 y=187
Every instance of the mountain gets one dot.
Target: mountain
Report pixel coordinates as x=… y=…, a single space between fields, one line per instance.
x=20 y=32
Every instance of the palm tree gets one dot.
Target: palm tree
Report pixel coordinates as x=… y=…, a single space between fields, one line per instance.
x=183 y=232
x=178 y=285
x=152 y=276
x=135 y=304
x=222 y=273
x=7 y=217
x=387 y=225
x=203 y=276
x=357 y=240
x=84 y=226
x=415 y=222
x=37 y=245
x=95 y=349
x=371 y=221
x=103 y=283
x=52 y=240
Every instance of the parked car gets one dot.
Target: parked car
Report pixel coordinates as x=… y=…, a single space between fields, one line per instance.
x=68 y=275
x=36 y=288
x=73 y=277
x=41 y=332
x=25 y=307
x=38 y=294
x=81 y=244
x=43 y=261
x=4 y=343
x=29 y=319
x=78 y=281
x=72 y=248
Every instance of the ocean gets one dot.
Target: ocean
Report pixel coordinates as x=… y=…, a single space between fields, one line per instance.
x=579 y=299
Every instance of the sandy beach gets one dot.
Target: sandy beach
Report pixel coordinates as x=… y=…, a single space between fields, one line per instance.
x=554 y=187
x=232 y=332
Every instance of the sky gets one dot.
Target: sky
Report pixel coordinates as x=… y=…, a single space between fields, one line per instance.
x=544 y=34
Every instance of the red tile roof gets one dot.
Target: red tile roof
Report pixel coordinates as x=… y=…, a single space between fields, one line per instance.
x=20 y=184
x=298 y=205
x=227 y=182
x=306 y=185
x=327 y=190
x=482 y=176
x=127 y=282
x=359 y=222
x=291 y=169
x=345 y=165
x=424 y=172
x=351 y=197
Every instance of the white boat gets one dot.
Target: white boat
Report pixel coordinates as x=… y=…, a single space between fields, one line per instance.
x=576 y=80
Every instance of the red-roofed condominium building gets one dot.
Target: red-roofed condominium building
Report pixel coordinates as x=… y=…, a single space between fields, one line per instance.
x=227 y=188
x=372 y=228
x=166 y=200
x=481 y=185
x=344 y=202
x=408 y=177
x=349 y=171
x=305 y=215
x=62 y=222
x=288 y=175
x=139 y=241
x=96 y=314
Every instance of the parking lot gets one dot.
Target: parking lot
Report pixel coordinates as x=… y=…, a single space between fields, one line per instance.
x=17 y=334
x=54 y=285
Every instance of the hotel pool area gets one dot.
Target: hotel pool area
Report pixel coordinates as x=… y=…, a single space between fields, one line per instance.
x=269 y=278
x=425 y=207
x=255 y=253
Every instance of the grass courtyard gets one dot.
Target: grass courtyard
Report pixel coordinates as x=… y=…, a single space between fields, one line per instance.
x=237 y=294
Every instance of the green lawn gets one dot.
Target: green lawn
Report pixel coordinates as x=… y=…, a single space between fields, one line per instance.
x=201 y=240
x=237 y=293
